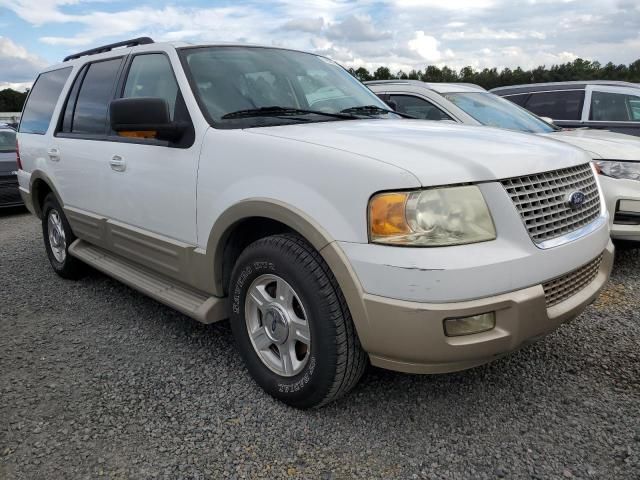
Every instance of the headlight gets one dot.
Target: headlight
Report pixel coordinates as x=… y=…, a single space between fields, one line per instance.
x=431 y=218
x=617 y=169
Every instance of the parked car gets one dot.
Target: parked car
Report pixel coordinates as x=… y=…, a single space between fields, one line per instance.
x=331 y=232
x=616 y=155
x=9 y=194
x=606 y=105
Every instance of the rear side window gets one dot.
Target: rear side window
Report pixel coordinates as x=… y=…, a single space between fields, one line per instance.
x=519 y=99
x=150 y=75
x=560 y=105
x=418 y=107
x=42 y=101
x=92 y=104
x=614 y=107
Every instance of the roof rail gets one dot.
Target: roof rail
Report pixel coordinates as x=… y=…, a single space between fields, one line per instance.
x=106 y=48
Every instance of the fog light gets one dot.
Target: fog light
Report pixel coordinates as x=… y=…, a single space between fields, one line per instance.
x=454 y=327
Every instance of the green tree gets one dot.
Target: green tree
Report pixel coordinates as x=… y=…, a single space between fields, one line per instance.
x=383 y=73
x=11 y=101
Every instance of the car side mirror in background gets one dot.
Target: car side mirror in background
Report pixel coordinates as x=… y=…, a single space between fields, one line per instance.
x=144 y=117
x=393 y=105
x=548 y=120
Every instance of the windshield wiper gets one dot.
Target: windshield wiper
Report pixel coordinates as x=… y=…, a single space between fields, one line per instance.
x=372 y=110
x=276 y=111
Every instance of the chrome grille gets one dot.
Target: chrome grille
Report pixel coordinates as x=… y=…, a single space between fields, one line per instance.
x=541 y=200
x=561 y=288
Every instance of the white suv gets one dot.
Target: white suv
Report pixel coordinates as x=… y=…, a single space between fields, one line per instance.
x=270 y=187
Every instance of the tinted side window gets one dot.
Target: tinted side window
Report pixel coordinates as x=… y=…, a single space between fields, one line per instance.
x=67 y=116
x=614 y=107
x=519 y=99
x=91 y=108
x=151 y=75
x=42 y=101
x=560 y=105
x=418 y=107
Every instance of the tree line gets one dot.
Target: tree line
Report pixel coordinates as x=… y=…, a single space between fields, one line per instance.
x=579 y=69
x=489 y=78
x=11 y=101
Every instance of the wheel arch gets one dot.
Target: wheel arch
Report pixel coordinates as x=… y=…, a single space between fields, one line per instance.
x=40 y=186
x=273 y=216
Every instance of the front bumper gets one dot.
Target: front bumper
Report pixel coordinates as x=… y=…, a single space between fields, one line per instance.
x=623 y=202
x=409 y=336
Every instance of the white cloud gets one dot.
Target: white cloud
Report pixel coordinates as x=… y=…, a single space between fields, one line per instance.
x=18 y=65
x=486 y=33
x=401 y=34
x=357 y=28
x=17 y=86
x=309 y=25
x=446 y=5
x=426 y=46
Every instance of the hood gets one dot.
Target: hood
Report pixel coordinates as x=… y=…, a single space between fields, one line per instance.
x=601 y=143
x=437 y=153
x=7 y=163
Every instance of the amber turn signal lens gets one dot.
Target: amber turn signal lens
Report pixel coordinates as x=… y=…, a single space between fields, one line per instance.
x=386 y=215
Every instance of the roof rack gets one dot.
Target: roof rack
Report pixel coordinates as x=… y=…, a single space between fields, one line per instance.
x=107 y=48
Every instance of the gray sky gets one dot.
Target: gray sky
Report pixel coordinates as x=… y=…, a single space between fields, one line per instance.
x=400 y=34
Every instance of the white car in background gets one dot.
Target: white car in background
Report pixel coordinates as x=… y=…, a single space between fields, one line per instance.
x=616 y=155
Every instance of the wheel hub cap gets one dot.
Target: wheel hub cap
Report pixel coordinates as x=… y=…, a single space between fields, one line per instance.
x=277 y=325
x=57 y=240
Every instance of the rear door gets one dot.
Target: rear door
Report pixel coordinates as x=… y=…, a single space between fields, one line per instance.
x=613 y=108
x=81 y=144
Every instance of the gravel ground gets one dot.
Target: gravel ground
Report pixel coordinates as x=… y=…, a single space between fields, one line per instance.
x=98 y=381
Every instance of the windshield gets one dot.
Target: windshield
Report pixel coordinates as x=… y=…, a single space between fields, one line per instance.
x=241 y=80
x=494 y=111
x=7 y=140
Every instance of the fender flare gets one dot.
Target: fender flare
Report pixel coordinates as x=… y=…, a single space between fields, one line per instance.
x=310 y=230
x=38 y=176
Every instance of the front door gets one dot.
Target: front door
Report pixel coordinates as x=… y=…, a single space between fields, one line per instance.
x=152 y=183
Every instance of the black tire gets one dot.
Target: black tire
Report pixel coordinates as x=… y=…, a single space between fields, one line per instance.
x=69 y=267
x=336 y=359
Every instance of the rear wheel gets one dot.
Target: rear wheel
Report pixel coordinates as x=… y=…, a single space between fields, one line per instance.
x=291 y=323
x=57 y=238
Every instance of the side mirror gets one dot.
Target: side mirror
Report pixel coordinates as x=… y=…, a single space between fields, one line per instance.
x=548 y=120
x=393 y=105
x=144 y=117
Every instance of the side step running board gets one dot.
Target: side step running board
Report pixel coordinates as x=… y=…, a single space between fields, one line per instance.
x=195 y=304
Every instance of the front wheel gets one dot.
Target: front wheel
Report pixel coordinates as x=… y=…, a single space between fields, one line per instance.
x=291 y=323
x=57 y=238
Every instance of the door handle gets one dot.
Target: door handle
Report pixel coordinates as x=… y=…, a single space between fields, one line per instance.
x=54 y=154
x=117 y=163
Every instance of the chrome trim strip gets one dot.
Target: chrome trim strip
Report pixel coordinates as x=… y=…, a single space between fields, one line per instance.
x=575 y=235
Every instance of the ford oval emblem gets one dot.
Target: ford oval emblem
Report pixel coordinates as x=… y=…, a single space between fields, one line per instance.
x=576 y=199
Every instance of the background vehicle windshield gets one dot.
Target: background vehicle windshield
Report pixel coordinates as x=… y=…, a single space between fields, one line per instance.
x=230 y=79
x=7 y=140
x=493 y=111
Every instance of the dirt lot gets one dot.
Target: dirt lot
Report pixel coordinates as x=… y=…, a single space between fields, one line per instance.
x=98 y=381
